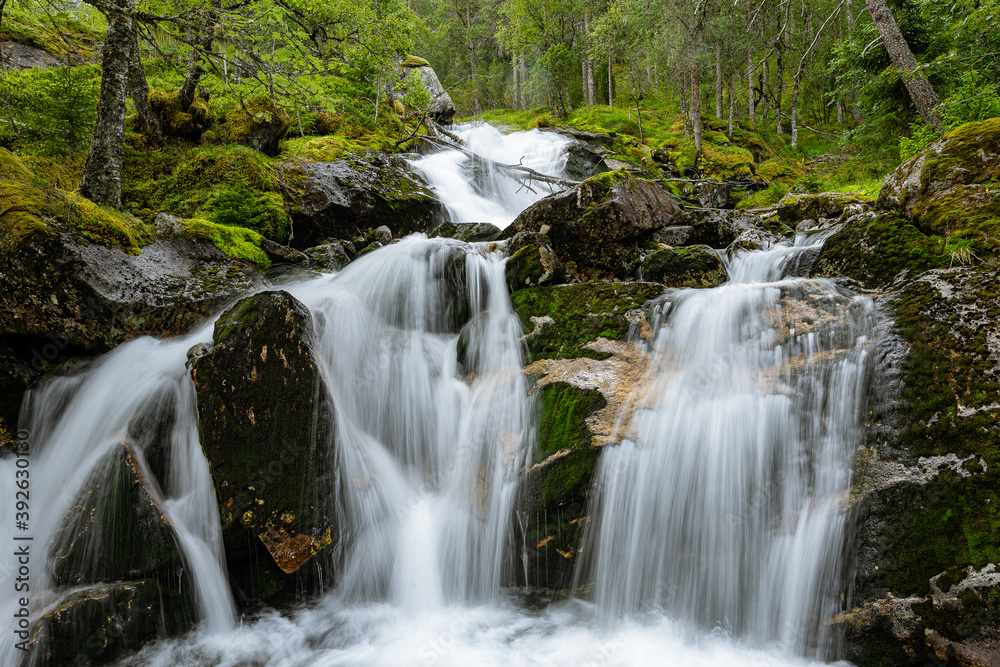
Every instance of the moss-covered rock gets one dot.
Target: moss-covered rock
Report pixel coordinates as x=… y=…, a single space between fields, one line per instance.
x=553 y=497
x=177 y=122
x=265 y=425
x=103 y=622
x=560 y=321
x=343 y=198
x=90 y=276
x=118 y=508
x=600 y=227
x=794 y=208
x=695 y=266
x=259 y=124
x=532 y=262
x=874 y=249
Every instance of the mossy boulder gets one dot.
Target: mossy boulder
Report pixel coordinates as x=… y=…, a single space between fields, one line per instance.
x=265 y=426
x=695 y=266
x=532 y=262
x=719 y=229
x=94 y=277
x=600 y=227
x=560 y=321
x=926 y=486
x=417 y=72
x=118 y=508
x=258 y=124
x=177 y=122
x=794 y=208
x=101 y=623
x=328 y=257
x=553 y=495
x=345 y=197
x=875 y=249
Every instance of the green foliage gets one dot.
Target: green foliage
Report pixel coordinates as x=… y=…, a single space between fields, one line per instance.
x=263 y=212
x=54 y=108
x=236 y=242
x=65 y=30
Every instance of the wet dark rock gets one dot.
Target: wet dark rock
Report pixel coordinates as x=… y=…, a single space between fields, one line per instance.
x=694 y=266
x=343 y=198
x=328 y=257
x=265 y=425
x=104 y=622
x=581 y=162
x=119 y=507
x=281 y=254
x=552 y=502
x=600 y=227
x=677 y=235
x=720 y=229
x=713 y=195
x=471 y=232
x=532 y=262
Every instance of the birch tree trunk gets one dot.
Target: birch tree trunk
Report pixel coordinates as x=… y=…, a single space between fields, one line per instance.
x=102 y=175
x=751 y=102
x=696 y=102
x=920 y=89
x=718 y=81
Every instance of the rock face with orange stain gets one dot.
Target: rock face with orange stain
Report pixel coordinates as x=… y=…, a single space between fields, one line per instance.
x=265 y=427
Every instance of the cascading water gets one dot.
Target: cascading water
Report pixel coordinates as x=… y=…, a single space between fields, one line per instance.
x=723 y=503
x=718 y=511
x=474 y=190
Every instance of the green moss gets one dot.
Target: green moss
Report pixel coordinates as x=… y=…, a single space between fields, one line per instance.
x=874 y=251
x=230 y=165
x=177 y=121
x=241 y=122
x=965 y=158
x=62 y=34
x=107 y=226
x=564 y=409
x=415 y=61
x=581 y=313
x=236 y=242
x=694 y=266
x=13 y=168
x=571 y=474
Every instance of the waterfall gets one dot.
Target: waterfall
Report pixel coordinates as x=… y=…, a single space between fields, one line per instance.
x=474 y=190
x=723 y=502
x=716 y=521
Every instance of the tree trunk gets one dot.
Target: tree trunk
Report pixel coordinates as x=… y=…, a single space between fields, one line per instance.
x=138 y=88
x=611 y=82
x=684 y=108
x=589 y=85
x=751 y=102
x=920 y=89
x=795 y=111
x=517 y=85
x=732 y=105
x=777 y=97
x=718 y=81
x=696 y=102
x=102 y=175
x=840 y=112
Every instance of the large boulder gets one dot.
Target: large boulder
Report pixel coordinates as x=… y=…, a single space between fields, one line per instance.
x=441 y=107
x=925 y=491
x=532 y=262
x=471 y=232
x=344 y=198
x=265 y=427
x=93 y=278
x=600 y=227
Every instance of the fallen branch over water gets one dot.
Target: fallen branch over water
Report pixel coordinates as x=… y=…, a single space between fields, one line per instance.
x=531 y=173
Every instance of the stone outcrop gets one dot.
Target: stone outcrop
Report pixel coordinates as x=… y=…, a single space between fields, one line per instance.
x=265 y=427
x=694 y=266
x=600 y=227
x=343 y=198
x=532 y=262
x=441 y=108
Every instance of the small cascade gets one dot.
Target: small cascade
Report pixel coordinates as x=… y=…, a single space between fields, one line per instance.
x=421 y=350
x=722 y=504
x=474 y=190
x=75 y=426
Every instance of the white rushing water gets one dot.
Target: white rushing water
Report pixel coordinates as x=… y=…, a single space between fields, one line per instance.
x=477 y=191
x=717 y=524
x=722 y=505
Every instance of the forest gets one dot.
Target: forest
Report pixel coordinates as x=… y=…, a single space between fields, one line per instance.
x=838 y=92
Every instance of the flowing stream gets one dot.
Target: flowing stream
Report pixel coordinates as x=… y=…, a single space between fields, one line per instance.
x=717 y=522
